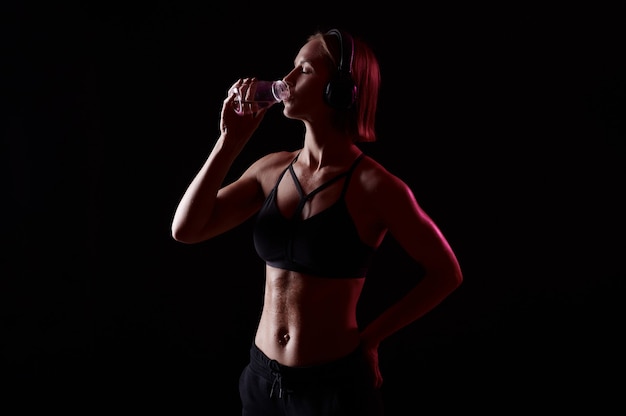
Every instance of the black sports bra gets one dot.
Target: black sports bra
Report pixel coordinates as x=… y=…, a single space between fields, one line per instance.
x=326 y=244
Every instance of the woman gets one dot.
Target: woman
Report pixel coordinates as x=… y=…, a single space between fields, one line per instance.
x=321 y=213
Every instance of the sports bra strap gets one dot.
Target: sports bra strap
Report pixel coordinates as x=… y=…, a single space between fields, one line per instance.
x=306 y=197
x=349 y=173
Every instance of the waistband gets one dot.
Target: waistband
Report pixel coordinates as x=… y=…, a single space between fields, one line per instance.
x=286 y=377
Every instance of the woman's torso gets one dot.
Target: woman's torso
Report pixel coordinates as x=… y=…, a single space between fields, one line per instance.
x=307 y=318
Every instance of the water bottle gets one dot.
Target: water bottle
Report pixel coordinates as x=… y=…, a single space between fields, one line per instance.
x=266 y=94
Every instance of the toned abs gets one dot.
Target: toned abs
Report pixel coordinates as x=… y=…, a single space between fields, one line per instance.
x=308 y=320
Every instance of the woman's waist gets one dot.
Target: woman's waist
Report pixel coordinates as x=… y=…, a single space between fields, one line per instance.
x=301 y=345
x=350 y=368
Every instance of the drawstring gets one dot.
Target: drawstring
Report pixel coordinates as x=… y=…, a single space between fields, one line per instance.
x=278 y=379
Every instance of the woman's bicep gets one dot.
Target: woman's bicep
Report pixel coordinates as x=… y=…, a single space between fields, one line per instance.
x=416 y=231
x=235 y=203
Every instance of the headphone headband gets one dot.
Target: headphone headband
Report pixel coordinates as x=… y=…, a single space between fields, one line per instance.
x=346 y=55
x=341 y=90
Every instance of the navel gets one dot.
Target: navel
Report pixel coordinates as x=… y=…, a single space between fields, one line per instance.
x=283 y=337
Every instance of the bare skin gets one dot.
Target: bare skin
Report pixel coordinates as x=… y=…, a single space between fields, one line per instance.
x=308 y=320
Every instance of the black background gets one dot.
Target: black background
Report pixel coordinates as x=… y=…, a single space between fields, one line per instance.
x=507 y=122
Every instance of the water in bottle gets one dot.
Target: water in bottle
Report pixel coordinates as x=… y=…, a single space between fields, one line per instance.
x=267 y=93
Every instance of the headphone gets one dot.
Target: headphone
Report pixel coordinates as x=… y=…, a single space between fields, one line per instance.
x=340 y=92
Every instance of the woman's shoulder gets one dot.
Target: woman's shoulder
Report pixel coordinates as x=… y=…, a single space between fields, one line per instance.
x=283 y=157
x=271 y=163
x=375 y=176
x=379 y=188
x=274 y=160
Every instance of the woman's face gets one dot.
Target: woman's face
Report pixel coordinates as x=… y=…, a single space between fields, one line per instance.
x=308 y=79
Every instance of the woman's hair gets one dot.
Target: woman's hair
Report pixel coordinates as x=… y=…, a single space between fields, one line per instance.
x=359 y=120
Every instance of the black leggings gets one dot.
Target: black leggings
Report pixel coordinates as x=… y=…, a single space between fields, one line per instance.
x=344 y=387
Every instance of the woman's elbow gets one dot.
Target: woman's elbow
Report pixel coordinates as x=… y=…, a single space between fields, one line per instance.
x=183 y=234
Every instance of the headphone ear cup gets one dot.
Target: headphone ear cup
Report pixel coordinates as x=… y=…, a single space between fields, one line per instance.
x=340 y=92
